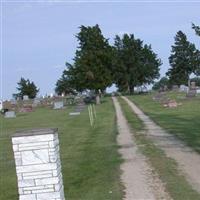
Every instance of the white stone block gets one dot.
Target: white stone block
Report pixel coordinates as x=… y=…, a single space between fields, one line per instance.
x=45 y=181
x=40 y=144
x=26 y=183
x=38 y=176
x=36 y=168
x=30 y=139
x=15 y=147
x=28 y=197
x=37 y=173
x=35 y=157
x=48 y=196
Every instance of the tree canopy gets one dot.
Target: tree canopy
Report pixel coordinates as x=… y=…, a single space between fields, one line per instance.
x=26 y=87
x=184 y=60
x=196 y=28
x=97 y=64
x=164 y=81
x=134 y=64
x=92 y=62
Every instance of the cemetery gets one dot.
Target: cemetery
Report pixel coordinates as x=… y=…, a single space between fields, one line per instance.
x=97 y=103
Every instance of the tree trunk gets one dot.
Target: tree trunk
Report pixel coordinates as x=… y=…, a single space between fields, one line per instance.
x=128 y=88
x=98 y=101
x=131 y=89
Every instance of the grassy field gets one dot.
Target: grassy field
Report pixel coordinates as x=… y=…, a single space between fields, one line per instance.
x=183 y=121
x=90 y=162
x=166 y=168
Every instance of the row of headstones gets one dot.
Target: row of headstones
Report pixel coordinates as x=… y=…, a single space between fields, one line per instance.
x=57 y=105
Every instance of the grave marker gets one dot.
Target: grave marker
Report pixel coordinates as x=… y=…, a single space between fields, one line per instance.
x=58 y=105
x=10 y=114
x=25 y=97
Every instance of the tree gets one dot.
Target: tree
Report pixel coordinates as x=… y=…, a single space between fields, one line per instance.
x=25 y=87
x=134 y=64
x=184 y=60
x=196 y=28
x=63 y=85
x=92 y=62
x=164 y=81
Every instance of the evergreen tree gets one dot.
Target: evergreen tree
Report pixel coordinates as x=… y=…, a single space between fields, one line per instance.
x=92 y=62
x=164 y=81
x=197 y=29
x=25 y=87
x=184 y=60
x=134 y=64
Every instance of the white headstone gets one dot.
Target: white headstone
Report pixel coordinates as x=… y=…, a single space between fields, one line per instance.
x=38 y=165
x=25 y=97
x=74 y=113
x=58 y=105
x=183 y=88
x=10 y=114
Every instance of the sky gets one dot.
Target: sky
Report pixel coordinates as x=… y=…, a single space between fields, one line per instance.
x=38 y=37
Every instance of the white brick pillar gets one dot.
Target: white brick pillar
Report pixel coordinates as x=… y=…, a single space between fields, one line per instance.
x=38 y=165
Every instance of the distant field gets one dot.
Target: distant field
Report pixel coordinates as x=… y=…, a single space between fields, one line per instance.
x=90 y=162
x=183 y=121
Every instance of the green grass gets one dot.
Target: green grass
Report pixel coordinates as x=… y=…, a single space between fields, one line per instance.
x=90 y=162
x=183 y=121
x=175 y=183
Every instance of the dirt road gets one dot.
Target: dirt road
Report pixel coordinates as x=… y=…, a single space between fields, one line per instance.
x=188 y=161
x=137 y=176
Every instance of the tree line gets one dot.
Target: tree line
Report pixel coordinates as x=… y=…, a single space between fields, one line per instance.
x=97 y=64
x=128 y=63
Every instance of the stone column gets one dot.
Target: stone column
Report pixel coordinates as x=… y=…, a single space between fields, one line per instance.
x=38 y=165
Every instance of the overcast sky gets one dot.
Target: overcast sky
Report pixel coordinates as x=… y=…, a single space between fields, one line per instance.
x=39 y=37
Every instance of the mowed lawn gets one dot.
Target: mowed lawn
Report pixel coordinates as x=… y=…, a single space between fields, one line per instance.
x=90 y=162
x=183 y=121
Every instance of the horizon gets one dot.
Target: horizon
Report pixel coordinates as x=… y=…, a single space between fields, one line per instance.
x=38 y=38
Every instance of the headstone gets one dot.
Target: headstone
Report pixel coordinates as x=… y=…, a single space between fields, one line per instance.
x=25 y=97
x=26 y=108
x=198 y=91
x=159 y=96
x=74 y=113
x=58 y=105
x=183 y=88
x=192 y=90
x=193 y=85
x=80 y=107
x=36 y=102
x=191 y=93
x=10 y=114
x=1 y=105
x=175 y=88
x=13 y=102
x=38 y=165
x=172 y=104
